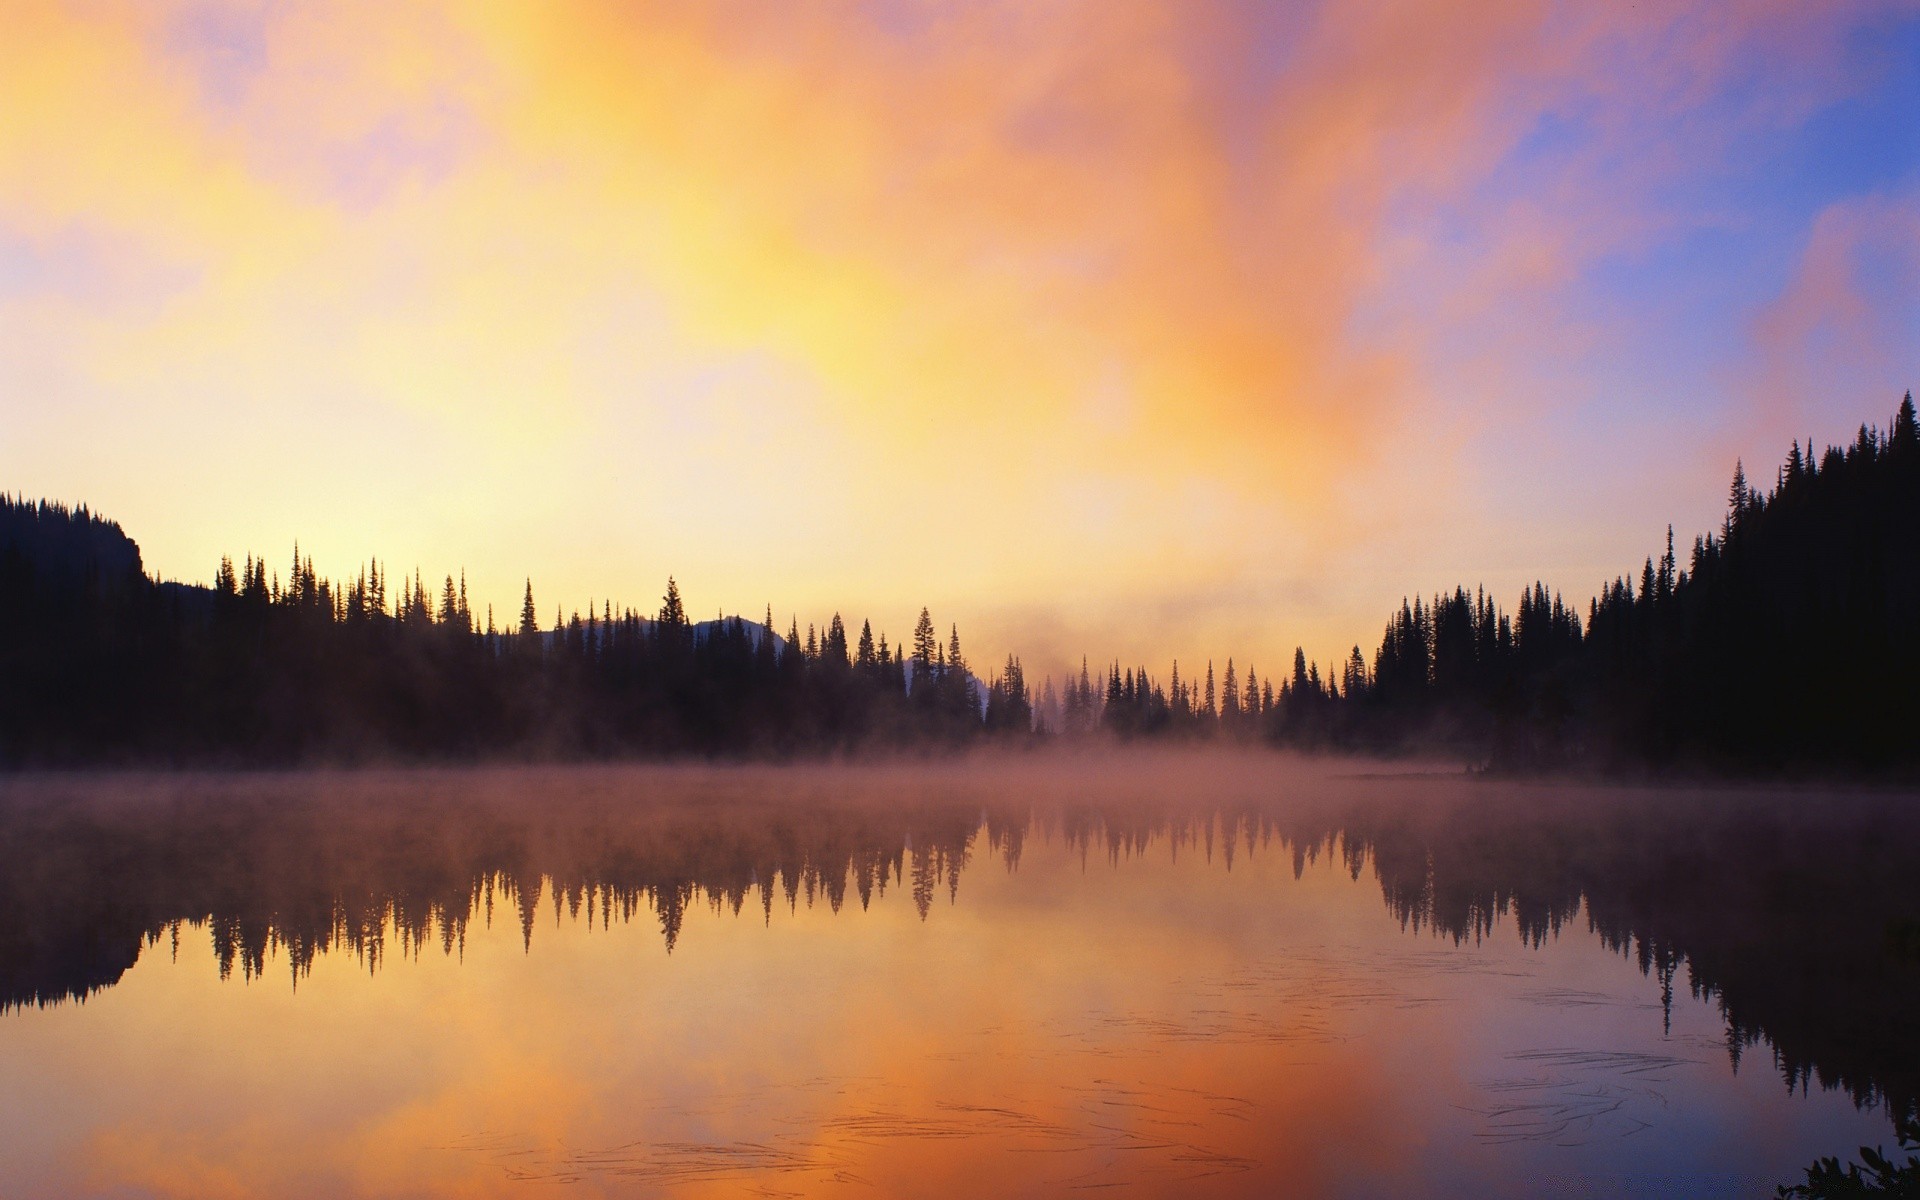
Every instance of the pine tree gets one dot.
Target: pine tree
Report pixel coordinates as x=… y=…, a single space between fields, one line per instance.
x=1354 y=681
x=925 y=643
x=673 y=614
x=1905 y=434
x=1664 y=581
x=529 y=622
x=966 y=694
x=1739 y=497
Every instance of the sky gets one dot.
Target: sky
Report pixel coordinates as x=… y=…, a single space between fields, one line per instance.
x=1140 y=331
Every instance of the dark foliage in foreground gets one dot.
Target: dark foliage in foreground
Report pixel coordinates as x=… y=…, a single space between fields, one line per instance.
x=1874 y=1175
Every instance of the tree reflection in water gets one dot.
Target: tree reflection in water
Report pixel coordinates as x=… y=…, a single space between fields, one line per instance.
x=1792 y=911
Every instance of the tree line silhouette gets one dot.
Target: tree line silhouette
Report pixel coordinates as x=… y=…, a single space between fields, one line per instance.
x=98 y=662
x=1788 y=640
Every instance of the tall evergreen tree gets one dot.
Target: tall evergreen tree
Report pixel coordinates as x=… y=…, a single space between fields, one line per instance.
x=673 y=614
x=925 y=644
x=529 y=622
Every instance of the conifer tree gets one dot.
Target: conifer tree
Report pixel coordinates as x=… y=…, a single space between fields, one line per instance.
x=1739 y=496
x=1905 y=435
x=925 y=643
x=529 y=622
x=673 y=614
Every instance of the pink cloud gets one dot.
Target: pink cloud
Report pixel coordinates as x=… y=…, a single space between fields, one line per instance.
x=1847 y=326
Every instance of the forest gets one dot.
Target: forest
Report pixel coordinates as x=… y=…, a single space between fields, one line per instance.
x=1788 y=640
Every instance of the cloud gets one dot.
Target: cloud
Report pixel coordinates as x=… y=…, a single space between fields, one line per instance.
x=1049 y=300
x=1846 y=326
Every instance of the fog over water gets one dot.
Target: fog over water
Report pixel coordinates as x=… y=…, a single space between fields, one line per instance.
x=1225 y=974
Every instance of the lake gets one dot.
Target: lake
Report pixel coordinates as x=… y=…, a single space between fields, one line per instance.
x=1161 y=975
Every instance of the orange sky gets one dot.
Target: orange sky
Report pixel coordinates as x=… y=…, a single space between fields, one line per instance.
x=1101 y=327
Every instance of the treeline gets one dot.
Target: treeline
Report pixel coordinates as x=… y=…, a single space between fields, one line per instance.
x=1788 y=639
x=98 y=663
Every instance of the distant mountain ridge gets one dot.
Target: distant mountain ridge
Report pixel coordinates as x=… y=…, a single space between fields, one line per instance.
x=66 y=543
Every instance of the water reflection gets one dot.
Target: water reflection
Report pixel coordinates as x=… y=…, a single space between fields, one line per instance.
x=1788 y=912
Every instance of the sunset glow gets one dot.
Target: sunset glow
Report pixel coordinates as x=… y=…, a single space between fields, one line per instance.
x=1150 y=330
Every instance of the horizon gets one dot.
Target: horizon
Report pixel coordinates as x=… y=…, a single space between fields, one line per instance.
x=1166 y=335
x=483 y=617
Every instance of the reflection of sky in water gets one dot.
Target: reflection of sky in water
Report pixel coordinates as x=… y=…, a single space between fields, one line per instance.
x=1131 y=1012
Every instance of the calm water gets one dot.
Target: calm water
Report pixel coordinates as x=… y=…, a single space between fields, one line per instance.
x=1152 y=976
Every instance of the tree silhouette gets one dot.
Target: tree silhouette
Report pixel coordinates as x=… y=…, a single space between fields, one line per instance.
x=529 y=621
x=1786 y=641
